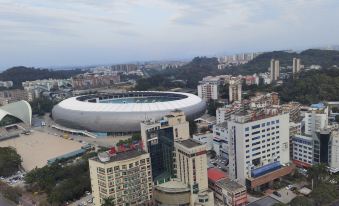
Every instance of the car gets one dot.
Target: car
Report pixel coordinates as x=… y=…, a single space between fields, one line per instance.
x=87 y=193
x=276 y=193
x=288 y=187
x=90 y=200
x=84 y=203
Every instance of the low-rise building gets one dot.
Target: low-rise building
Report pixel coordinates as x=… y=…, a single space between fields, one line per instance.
x=229 y=192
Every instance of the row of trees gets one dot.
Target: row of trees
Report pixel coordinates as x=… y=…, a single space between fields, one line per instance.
x=42 y=105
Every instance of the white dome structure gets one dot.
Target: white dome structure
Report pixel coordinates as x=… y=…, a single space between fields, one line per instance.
x=21 y=110
x=123 y=112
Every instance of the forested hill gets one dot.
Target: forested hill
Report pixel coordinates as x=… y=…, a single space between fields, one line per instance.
x=20 y=74
x=324 y=58
x=200 y=67
x=190 y=73
x=312 y=87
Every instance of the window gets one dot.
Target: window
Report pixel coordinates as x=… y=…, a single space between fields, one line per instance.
x=256 y=126
x=255 y=138
x=247 y=129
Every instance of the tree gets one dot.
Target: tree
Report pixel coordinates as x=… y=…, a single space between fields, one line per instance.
x=301 y=201
x=317 y=173
x=212 y=107
x=279 y=204
x=108 y=202
x=10 y=161
x=324 y=194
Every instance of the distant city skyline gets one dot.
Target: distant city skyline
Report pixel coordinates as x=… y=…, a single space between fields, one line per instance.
x=82 y=32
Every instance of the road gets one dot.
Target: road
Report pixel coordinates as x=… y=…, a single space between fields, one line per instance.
x=5 y=202
x=101 y=141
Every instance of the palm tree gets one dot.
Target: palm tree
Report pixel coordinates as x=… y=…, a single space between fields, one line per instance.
x=108 y=201
x=317 y=173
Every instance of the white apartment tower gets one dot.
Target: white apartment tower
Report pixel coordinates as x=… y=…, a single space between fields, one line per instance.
x=334 y=152
x=235 y=90
x=274 y=70
x=296 y=65
x=316 y=118
x=258 y=147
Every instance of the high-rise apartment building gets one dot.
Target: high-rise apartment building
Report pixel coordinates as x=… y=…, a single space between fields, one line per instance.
x=126 y=177
x=159 y=137
x=334 y=152
x=274 y=70
x=258 y=147
x=296 y=66
x=235 y=90
x=208 y=91
x=316 y=118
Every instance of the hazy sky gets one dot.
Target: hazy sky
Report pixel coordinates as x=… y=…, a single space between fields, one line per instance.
x=81 y=32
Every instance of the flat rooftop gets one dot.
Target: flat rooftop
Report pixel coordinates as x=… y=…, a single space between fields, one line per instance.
x=190 y=143
x=230 y=185
x=123 y=156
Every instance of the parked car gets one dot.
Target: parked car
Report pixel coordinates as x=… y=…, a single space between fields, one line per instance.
x=276 y=193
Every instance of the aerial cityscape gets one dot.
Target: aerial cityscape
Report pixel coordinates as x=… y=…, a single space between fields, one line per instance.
x=169 y=103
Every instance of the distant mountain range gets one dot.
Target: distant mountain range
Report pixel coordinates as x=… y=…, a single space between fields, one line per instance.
x=191 y=72
x=20 y=74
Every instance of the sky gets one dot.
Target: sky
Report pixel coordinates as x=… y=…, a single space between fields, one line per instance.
x=44 y=33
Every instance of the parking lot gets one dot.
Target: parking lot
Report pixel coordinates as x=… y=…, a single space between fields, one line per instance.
x=87 y=200
x=219 y=162
x=284 y=195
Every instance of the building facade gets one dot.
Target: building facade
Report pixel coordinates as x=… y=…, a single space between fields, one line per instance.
x=208 y=91
x=296 y=66
x=316 y=118
x=159 y=137
x=235 y=90
x=125 y=177
x=230 y=193
x=274 y=70
x=258 y=148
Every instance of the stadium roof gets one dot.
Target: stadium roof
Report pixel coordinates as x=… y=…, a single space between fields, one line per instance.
x=21 y=110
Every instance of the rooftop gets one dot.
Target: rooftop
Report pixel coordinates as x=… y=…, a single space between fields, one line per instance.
x=121 y=156
x=266 y=201
x=215 y=174
x=230 y=185
x=190 y=143
x=173 y=186
x=318 y=106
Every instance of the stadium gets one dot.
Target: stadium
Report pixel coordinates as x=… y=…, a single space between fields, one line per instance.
x=123 y=112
